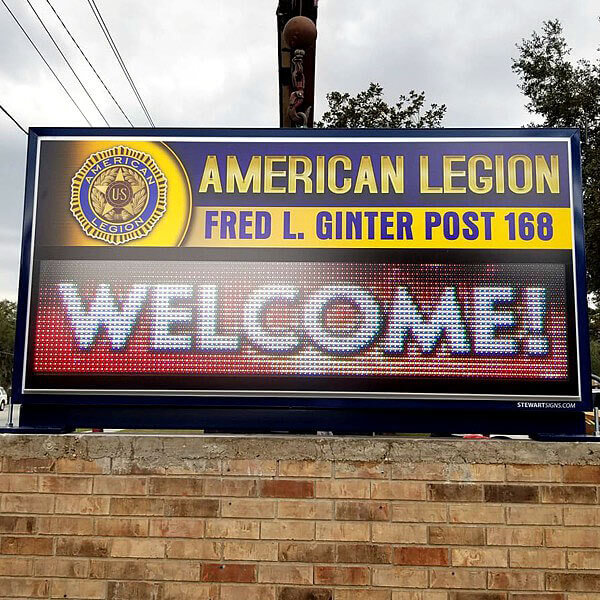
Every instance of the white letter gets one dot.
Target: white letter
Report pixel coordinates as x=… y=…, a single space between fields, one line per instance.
x=253 y=319
x=487 y=319
x=164 y=315
x=208 y=340
x=359 y=338
x=446 y=320
x=103 y=312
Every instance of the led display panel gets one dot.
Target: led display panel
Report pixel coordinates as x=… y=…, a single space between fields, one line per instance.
x=404 y=267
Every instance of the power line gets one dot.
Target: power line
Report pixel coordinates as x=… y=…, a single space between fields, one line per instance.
x=12 y=119
x=67 y=61
x=88 y=61
x=45 y=62
x=117 y=54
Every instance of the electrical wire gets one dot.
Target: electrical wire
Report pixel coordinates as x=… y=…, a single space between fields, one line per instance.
x=118 y=56
x=46 y=62
x=67 y=61
x=12 y=119
x=88 y=62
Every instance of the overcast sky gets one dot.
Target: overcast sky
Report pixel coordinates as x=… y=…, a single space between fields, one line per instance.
x=212 y=63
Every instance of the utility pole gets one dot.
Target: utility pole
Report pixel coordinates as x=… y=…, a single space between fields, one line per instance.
x=296 y=37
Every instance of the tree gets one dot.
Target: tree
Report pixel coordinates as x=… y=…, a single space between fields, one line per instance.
x=369 y=109
x=567 y=94
x=8 y=318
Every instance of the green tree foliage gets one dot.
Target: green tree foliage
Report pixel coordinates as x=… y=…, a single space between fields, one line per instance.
x=369 y=109
x=565 y=93
x=8 y=318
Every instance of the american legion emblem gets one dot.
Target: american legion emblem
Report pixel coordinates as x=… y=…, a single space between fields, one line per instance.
x=118 y=195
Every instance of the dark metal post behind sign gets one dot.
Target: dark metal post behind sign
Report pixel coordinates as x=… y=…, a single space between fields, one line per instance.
x=296 y=38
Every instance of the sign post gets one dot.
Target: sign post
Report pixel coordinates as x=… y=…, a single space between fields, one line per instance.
x=302 y=280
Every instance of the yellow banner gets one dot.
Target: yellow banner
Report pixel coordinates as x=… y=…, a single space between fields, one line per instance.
x=381 y=227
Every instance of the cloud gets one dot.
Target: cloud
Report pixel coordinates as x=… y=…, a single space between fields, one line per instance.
x=199 y=63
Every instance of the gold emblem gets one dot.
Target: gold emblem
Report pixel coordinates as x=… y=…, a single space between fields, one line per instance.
x=118 y=195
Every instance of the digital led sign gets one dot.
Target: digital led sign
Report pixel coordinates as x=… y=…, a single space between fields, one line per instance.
x=413 y=268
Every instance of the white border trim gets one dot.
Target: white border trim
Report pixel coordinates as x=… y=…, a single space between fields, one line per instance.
x=300 y=394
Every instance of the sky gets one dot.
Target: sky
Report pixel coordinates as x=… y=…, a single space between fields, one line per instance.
x=213 y=63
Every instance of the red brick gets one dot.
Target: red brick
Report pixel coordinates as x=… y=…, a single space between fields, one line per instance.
x=455 y=492
x=250 y=551
x=13 y=566
x=232 y=528
x=78 y=588
x=65 y=526
x=286 y=573
x=197 y=549
x=120 y=486
x=237 y=488
x=28 y=465
x=398 y=490
x=84 y=505
x=17 y=482
x=462 y=536
x=191 y=507
x=509 y=493
x=9 y=524
x=61 y=567
x=311 y=593
x=232 y=573
x=305 y=509
x=82 y=547
x=362 y=511
x=399 y=533
x=399 y=577
x=134 y=590
x=249 y=507
x=341 y=575
x=515 y=580
x=284 y=488
x=537 y=473
x=35 y=504
x=22 y=587
x=99 y=466
x=364 y=553
x=569 y=494
x=137 y=506
x=573 y=582
x=470 y=579
x=122 y=527
x=26 y=545
x=581 y=474
x=287 y=530
x=261 y=468
x=424 y=556
x=479 y=557
x=307 y=553
x=176 y=486
x=65 y=484
x=138 y=548
x=246 y=592
x=191 y=591
x=477 y=596
x=188 y=528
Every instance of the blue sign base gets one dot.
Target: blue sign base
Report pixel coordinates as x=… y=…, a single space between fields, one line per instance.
x=294 y=420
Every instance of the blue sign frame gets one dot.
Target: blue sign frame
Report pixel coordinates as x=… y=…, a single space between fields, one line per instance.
x=259 y=413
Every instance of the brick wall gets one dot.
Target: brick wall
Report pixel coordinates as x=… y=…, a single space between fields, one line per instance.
x=297 y=518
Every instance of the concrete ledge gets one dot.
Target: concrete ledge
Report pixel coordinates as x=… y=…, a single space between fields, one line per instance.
x=169 y=450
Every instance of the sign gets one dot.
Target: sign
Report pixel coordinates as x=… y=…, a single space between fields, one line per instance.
x=380 y=269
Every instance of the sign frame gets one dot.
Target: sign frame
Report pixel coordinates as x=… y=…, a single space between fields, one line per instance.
x=339 y=412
